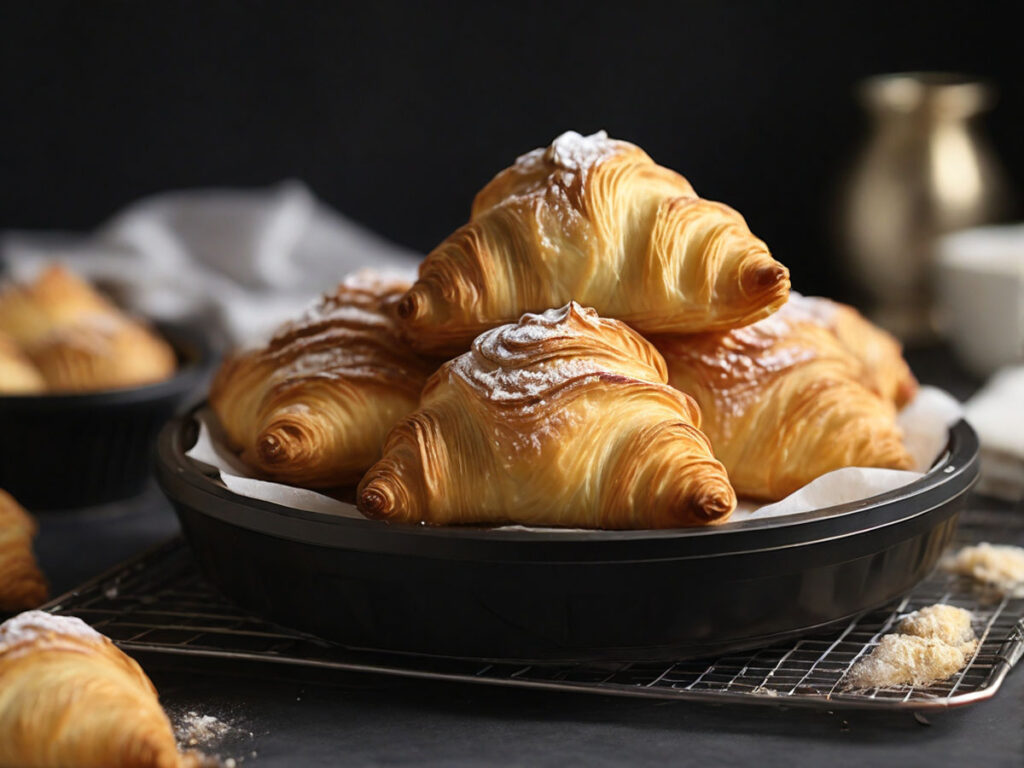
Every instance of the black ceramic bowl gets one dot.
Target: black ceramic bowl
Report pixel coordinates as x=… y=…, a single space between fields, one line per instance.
x=76 y=450
x=507 y=594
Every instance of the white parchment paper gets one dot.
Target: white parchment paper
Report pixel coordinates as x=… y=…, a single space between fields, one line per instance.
x=925 y=423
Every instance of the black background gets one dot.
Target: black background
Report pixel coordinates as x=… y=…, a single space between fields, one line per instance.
x=396 y=113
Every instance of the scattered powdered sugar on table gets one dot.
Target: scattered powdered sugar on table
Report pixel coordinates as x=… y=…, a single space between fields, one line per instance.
x=29 y=625
x=209 y=735
x=193 y=729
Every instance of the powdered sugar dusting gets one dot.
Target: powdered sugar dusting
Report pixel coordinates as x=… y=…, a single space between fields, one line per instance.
x=504 y=364
x=27 y=626
x=811 y=309
x=573 y=151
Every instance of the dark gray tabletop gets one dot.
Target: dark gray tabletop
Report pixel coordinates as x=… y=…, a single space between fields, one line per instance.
x=376 y=720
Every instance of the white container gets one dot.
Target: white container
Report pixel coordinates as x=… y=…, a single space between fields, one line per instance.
x=980 y=295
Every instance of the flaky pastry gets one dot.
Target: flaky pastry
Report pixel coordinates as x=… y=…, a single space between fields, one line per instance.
x=56 y=299
x=70 y=699
x=594 y=220
x=312 y=407
x=17 y=374
x=563 y=419
x=22 y=585
x=784 y=401
x=76 y=339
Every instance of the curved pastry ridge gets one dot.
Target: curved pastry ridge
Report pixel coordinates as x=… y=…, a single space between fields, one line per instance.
x=313 y=405
x=594 y=220
x=562 y=419
x=68 y=696
x=785 y=401
x=22 y=584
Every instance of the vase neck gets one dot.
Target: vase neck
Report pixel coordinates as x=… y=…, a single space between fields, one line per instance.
x=925 y=96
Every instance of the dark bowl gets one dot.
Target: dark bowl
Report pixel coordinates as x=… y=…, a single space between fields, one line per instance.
x=566 y=595
x=76 y=450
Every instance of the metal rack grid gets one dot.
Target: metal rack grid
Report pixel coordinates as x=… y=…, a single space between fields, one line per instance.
x=159 y=603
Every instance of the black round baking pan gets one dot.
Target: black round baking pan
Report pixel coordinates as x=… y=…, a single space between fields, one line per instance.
x=565 y=595
x=66 y=451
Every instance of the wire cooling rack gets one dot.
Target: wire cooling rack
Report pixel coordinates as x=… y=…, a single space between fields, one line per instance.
x=159 y=603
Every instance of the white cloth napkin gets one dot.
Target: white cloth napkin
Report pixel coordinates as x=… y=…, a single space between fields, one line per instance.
x=997 y=415
x=241 y=260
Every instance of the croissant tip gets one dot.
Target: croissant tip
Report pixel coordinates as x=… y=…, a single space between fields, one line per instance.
x=375 y=503
x=765 y=277
x=715 y=504
x=408 y=307
x=279 y=444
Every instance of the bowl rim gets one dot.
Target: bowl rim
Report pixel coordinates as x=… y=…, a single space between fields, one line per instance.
x=195 y=356
x=951 y=477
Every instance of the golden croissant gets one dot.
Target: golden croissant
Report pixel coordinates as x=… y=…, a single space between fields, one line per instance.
x=17 y=374
x=595 y=220
x=22 y=584
x=70 y=699
x=563 y=419
x=880 y=353
x=312 y=407
x=56 y=299
x=102 y=352
x=785 y=401
x=77 y=340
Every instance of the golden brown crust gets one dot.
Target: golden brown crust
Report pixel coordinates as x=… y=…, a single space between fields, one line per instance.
x=22 y=585
x=102 y=352
x=879 y=352
x=312 y=407
x=563 y=419
x=17 y=374
x=76 y=339
x=784 y=401
x=69 y=697
x=594 y=220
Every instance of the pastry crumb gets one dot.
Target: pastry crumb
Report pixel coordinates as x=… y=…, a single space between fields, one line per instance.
x=947 y=623
x=998 y=565
x=930 y=645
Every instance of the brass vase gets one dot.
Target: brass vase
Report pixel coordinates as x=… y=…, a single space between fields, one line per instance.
x=926 y=169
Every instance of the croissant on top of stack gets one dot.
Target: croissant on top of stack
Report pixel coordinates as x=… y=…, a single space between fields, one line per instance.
x=555 y=408
x=59 y=334
x=593 y=220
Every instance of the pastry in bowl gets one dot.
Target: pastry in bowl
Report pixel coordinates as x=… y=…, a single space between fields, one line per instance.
x=788 y=399
x=313 y=405
x=594 y=220
x=76 y=340
x=17 y=374
x=561 y=419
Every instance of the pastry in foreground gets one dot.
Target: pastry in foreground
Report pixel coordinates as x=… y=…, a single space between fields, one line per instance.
x=312 y=407
x=22 y=585
x=76 y=339
x=563 y=419
x=70 y=699
x=17 y=374
x=784 y=401
x=595 y=220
